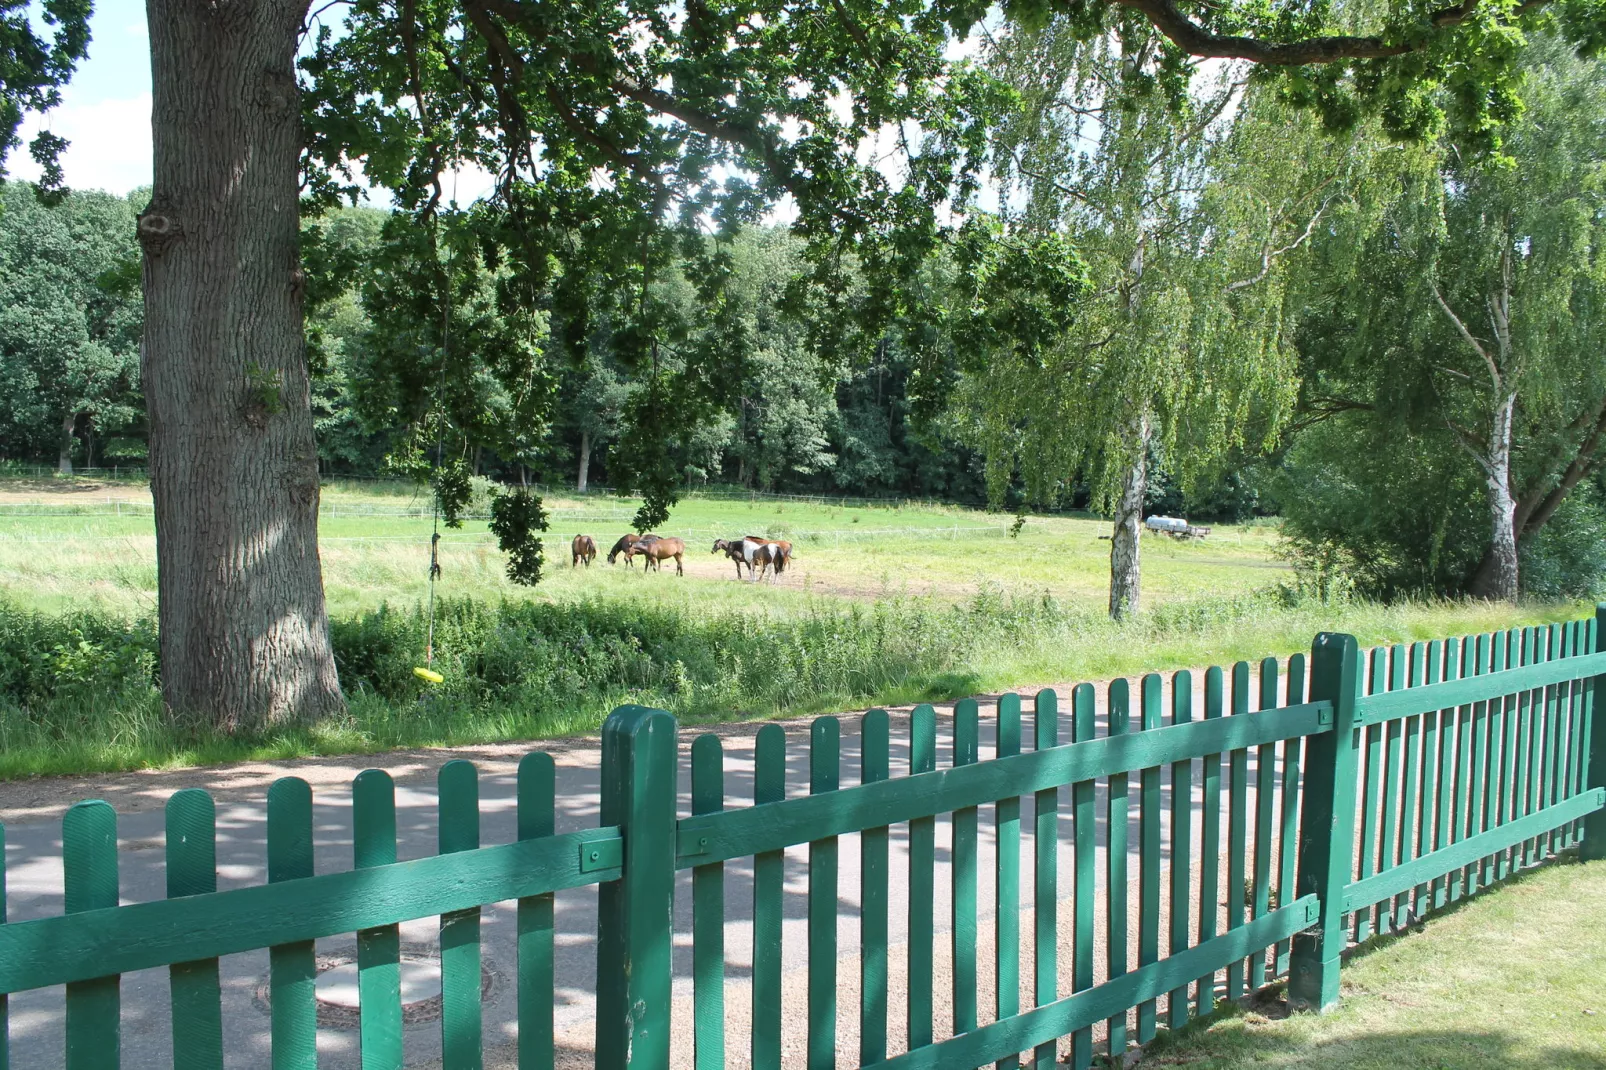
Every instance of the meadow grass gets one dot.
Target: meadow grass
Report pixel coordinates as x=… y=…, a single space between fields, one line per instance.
x=1510 y=980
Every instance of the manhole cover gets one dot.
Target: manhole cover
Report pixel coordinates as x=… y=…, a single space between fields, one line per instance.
x=420 y=980
x=336 y=990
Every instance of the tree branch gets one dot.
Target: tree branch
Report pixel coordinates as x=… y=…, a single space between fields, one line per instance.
x=1477 y=347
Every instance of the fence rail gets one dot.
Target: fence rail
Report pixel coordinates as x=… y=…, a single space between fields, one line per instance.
x=1311 y=805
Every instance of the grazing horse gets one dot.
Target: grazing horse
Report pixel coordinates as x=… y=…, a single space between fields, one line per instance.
x=583 y=548
x=732 y=548
x=623 y=546
x=655 y=550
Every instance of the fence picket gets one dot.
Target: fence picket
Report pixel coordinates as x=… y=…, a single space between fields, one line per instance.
x=1116 y=819
x=1006 y=815
x=373 y=843
x=293 y=968
x=1592 y=755
x=1575 y=734
x=1210 y=837
x=1288 y=827
x=1427 y=813
x=1532 y=788
x=537 y=819
x=1479 y=761
x=1181 y=844
x=1555 y=737
x=1085 y=835
x=1265 y=818
x=962 y=874
x=195 y=996
x=1393 y=755
x=825 y=771
x=459 y=801
x=1494 y=758
x=1460 y=752
x=89 y=871
x=1237 y=826
x=1409 y=673
x=5 y=1003
x=1375 y=665
x=874 y=766
x=769 y=785
x=922 y=888
x=1152 y=697
x=708 y=914
x=1045 y=875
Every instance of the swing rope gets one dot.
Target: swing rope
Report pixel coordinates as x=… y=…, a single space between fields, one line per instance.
x=427 y=672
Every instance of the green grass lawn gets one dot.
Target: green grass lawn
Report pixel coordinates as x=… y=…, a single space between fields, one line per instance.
x=1513 y=980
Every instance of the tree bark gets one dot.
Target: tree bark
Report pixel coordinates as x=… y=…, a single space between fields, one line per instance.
x=585 y=461
x=233 y=464
x=64 y=458
x=1497 y=575
x=1126 y=586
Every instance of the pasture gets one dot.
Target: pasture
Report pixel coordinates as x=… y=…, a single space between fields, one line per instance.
x=81 y=544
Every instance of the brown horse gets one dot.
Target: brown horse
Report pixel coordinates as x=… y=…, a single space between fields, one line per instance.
x=732 y=548
x=655 y=550
x=763 y=554
x=583 y=548
x=623 y=546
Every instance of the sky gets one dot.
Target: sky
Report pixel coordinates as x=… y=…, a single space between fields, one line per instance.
x=105 y=110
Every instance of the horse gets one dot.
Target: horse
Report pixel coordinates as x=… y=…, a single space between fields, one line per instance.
x=583 y=548
x=762 y=554
x=626 y=541
x=732 y=548
x=655 y=549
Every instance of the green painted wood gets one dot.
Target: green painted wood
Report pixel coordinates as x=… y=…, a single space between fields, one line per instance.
x=1562 y=838
x=635 y=915
x=1461 y=802
x=1459 y=692
x=1444 y=833
x=1410 y=675
x=1593 y=744
x=1006 y=888
x=769 y=786
x=1575 y=737
x=922 y=887
x=874 y=766
x=292 y=965
x=708 y=914
x=1181 y=845
x=1064 y=1015
x=1521 y=732
x=1288 y=821
x=1084 y=832
x=962 y=873
x=458 y=787
x=1150 y=832
x=1533 y=789
x=194 y=994
x=739 y=833
x=89 y=870
x=1500 y=741
x=1327 y=822
x=1390 y=801
x=1479 y=784
x=5 y=1003
x=373 y=843
x=142 y=936
x=537 y=818
x=1045 y=876
x=1428 y=809
x=1555 y=732
x=1117 y=817
x=825 y=774
x=1375 y=663
x=1265 y=818
x=1237 y=825
x=1493 y=737
x=1469 y=850
x=1209 y=900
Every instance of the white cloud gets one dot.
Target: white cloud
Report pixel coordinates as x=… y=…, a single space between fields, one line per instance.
x=110 y=143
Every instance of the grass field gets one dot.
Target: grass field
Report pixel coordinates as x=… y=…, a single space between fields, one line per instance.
x=1509 y=981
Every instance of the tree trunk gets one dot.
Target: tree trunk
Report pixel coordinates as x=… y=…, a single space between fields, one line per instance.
x=1497 y=577
x=1125 y=542
x=585 y=461
x=64 y=459
x=233 y=464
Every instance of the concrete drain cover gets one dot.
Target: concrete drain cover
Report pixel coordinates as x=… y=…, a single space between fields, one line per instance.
x=336 y=991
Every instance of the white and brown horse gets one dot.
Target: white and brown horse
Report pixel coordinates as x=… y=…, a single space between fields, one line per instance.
x=764 y=554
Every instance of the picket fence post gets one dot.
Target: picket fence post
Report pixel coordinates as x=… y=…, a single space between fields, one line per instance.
x=1327 y=823
x=1593 y=847
x=635 y=913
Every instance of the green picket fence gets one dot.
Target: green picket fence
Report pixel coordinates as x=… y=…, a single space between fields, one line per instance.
x=1275 y=824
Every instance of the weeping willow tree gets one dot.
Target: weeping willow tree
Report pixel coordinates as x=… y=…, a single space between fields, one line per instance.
x=1188 y=194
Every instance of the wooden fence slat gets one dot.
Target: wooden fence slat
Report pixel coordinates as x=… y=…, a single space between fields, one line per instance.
x=1237 y=825
x=1575 y=748
x=1540 y=652
x=1493 y=868
x=537 y=992
x=962 y=875
x=1265 y=818
x=708 y=914
x=1411 y=807
x=5 y=1004
x=1152 y=697
x=1460 y=750
x=1479 y=760
x=1045 y=875
x=1375 y=665
x=1085 y=862
x=89 y=870
x=1393 y=757
x=194 y=993
x=1427 y=812
x=1007 y=878
x=874 y=766
x=373 y=843
x=1557 y=736
x=1517 y=764
x=825 y=772
x=1117 y=815
x=922 y=887
x=458 y=787
x=1181 y=844
x=769 y=785
x=1592 y=754
x=1562 y=837
x=1210 y=837
x=293 y=967
x=1502 y=738
x=1288 y=821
